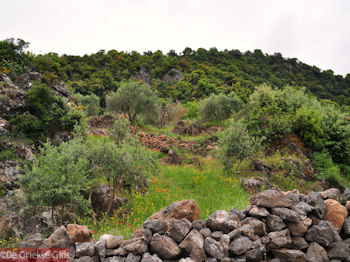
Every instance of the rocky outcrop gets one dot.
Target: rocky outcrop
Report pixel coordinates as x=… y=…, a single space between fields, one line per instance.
x=13 y=93
x=278 y=227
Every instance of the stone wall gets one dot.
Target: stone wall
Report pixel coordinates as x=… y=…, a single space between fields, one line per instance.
x=277 y=226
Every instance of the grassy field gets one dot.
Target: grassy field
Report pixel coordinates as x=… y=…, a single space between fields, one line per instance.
x=209 y=186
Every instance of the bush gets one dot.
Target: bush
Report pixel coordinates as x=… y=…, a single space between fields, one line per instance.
x=57 y=177
x=133 y=99
x=121 y=129
x=91 y=103
x=46 y=115
x=236 y=145
x=326 y=168
x=308 y=125
x=218 y=107
x=192 y=110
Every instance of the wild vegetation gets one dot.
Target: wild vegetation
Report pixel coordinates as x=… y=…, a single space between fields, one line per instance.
x=215 y=119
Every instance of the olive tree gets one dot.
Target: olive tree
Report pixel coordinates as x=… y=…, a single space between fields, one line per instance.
x=219 y=107
x=57 y=177
x=237 y=145
x=133 y=99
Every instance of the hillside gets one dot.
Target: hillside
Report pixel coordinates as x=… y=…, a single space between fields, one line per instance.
x=188 y=76
x=108 y=139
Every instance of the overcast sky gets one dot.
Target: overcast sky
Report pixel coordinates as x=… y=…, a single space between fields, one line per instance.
x=316 y=32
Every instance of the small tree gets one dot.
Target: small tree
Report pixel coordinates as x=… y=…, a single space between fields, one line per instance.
x=237 y=145
x=218 y=107
x=121 y=129
x=124 y=162
x=57 y=178
x=90 y=102
x=133 y=99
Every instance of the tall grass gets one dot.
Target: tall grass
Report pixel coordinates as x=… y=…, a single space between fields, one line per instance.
x=208 y=186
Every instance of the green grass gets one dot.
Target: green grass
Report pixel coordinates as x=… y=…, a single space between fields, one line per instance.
x=208 y=186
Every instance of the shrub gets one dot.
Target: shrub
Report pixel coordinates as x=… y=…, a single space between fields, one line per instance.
x=326 y=168
x=308 y=125
x=217 y=107
x=237 y=145
x=46 y=115
x=133 y=99
x=121 y=129
x=192 y=110
x=57 y=177
x=91 y=103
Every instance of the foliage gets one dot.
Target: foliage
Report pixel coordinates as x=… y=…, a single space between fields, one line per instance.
x=46 y=115
x=193 y=109
x=218 y=107
x=133 y=99
x=121 y=129
x=91 y=103
x=237 y=145
x=57 y=178
x=324 y=164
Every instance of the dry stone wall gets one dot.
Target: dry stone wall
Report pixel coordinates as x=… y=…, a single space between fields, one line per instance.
x=277 y=226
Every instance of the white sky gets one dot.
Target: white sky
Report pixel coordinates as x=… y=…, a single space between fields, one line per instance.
x=316 y=32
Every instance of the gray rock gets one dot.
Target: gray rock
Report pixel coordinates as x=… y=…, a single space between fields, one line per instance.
x=111 y=240
x=179 y=229
x=194 y=245
x=217 y=235
x=323 y=233
x=346 y=196
x=331 y=193
x=259 y=226
x=147 y=257
x=214 y=248
x=258 y=212
x=90 y=259
x=235 y=211
x=132 y=258
x=32 y=241
x=10 y=173
x=58 y=239
x=84 y=249
x=199 y=224
x=316 y=253
x=275 y=223
x=165 y=247
x=255 y=254
x=187 y=259
x=300 y=228
x=115 y=259
x=346 y=226
x=314 y=199
x=289 y=255
x=277 y=239
x=249 y=231
x=303 y=208
x=156 y=226
x=240 y=245
x=299 y=243
x=221 y=220
x=225 y=242
x=339 y=250
x=101 y=248
x=205 y=232
x=271 y=198
x=134 y=245
x=286 y=214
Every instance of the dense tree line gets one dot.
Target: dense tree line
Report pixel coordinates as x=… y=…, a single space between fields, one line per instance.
x=197 y=74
